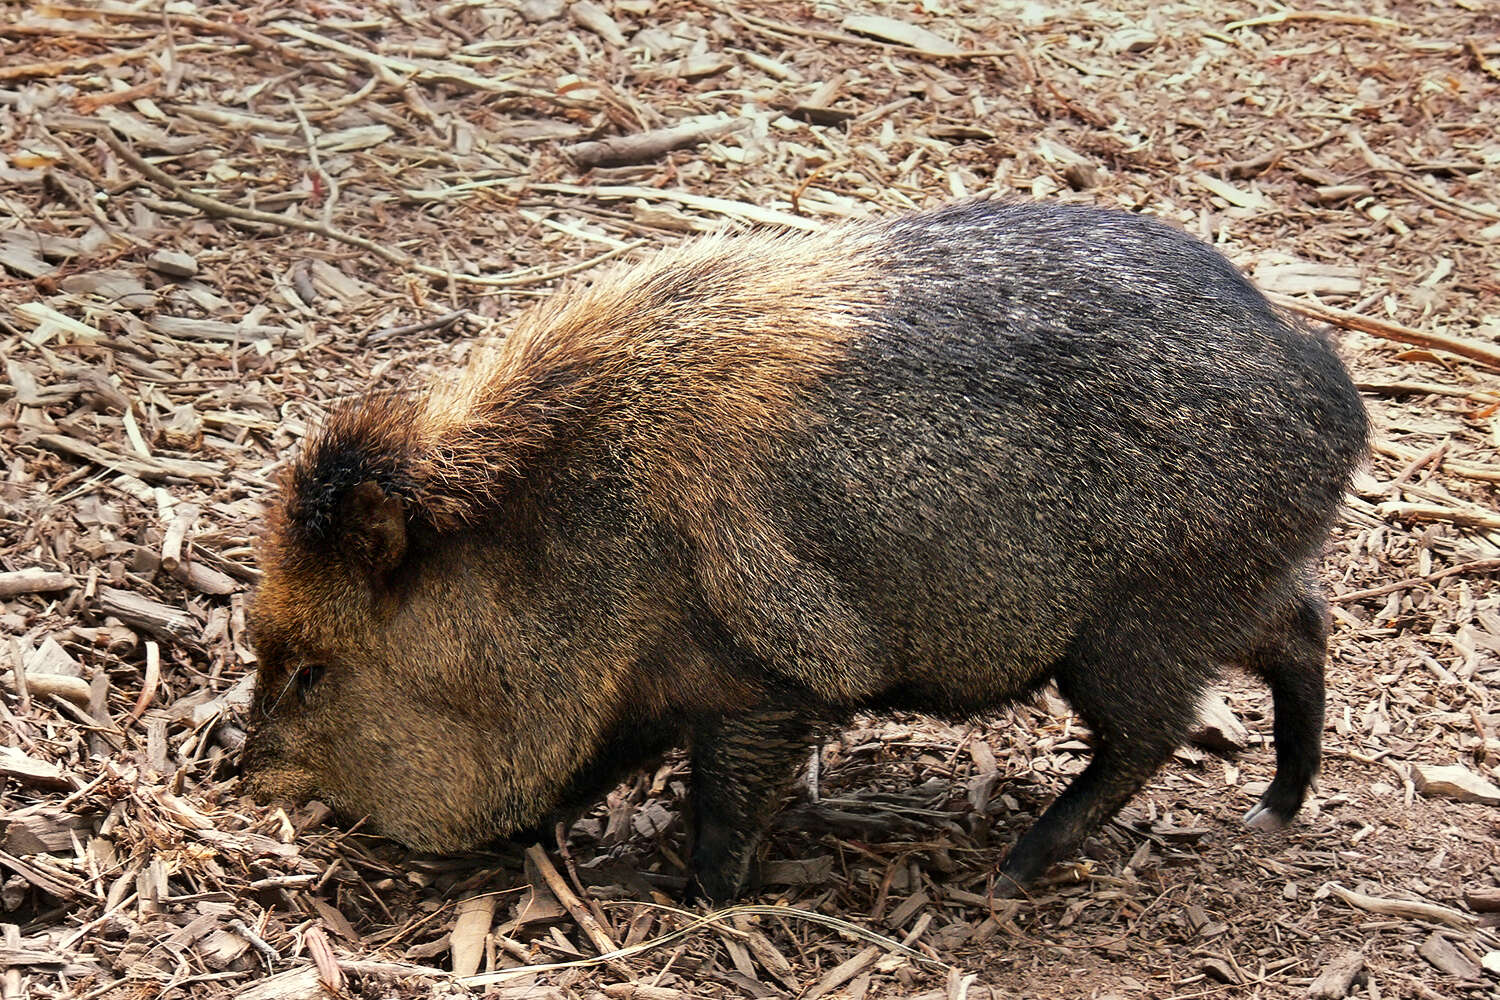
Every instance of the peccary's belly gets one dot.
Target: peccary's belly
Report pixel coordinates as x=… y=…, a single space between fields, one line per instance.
x=971 y=600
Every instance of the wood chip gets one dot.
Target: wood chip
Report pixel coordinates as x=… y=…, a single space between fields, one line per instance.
x=843 y=972
x=173 y=263
x=1454 y=782
x=30 y=771
x=596 y=19
x=1438 y=950
x=1337 y=978
x=1219 y=729
x=901 y=32
x=471 y=925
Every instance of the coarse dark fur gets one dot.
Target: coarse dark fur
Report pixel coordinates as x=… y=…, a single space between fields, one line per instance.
x=729 y=497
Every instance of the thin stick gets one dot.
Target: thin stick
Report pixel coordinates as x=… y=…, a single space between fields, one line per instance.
x=390 y=70
x=1478 y=54
x=719 y=206
x=762 y=25
x=1483 y=353
x=1326 y=16
x=1483 y=473
x=435 y=323
x=216 y=207
x=601 y=939
x=1404 y=908
x=642 y=146
x=1477 y=566
x=1469 y=518
x=330 y=185
x=698 y=923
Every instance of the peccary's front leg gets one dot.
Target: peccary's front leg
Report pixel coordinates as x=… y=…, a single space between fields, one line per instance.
x=741 y=765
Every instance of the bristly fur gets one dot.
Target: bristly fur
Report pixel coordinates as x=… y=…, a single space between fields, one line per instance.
x=617 y=361
x=733 y=496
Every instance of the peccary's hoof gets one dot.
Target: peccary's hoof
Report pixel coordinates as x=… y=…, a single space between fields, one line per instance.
x=710 y=889
x=1263 y=817
x=1006 y=887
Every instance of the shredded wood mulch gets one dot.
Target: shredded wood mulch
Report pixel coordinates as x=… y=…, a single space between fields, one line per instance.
x=217 y=219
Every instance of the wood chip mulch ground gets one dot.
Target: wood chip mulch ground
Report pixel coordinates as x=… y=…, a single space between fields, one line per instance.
x=216 y=219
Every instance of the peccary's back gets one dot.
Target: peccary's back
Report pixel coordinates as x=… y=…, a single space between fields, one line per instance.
x=1059 y=413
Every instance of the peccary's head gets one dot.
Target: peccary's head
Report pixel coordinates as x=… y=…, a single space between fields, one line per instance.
x=368 y=689
x=445 y=681
x=474 y=596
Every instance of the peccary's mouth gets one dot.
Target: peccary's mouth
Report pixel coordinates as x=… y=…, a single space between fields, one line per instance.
x=266 y=778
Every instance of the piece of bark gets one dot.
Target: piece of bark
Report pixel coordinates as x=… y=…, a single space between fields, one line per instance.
x=73 y=689
x=205 y=580
x=30 y=771
x=843 y=972
x=1338 y=977
x=1219 y=729
x=151 y=616
x=1446 y=958
x=807 y=871
x=642 y=991
x=154 y=468
x=15 y=957
x=472 y=924
x=51 y=658
x=901 y=33
x=173 y=263
x=1484 y=900
x=1454 y=782
x=42 y=829
x=329 y=972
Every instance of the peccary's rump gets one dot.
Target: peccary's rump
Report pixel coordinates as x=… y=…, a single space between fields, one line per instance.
x=727 y=498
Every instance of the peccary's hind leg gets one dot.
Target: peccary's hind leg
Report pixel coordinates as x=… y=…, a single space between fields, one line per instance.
x=1139 y=710
x=741 y=765
x=1290 y=654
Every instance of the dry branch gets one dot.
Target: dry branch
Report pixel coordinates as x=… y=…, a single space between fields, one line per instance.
x=1467 y=517
x=1477 y=566
x=1403 y=908
x=1468 y=470
x=704 y=203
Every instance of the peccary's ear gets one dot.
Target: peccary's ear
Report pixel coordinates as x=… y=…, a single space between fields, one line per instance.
x=374 y=527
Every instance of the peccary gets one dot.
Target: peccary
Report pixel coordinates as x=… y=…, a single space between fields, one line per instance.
x=727 y=498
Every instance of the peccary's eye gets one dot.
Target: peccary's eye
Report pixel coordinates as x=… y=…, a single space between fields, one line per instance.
x=308 y=675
